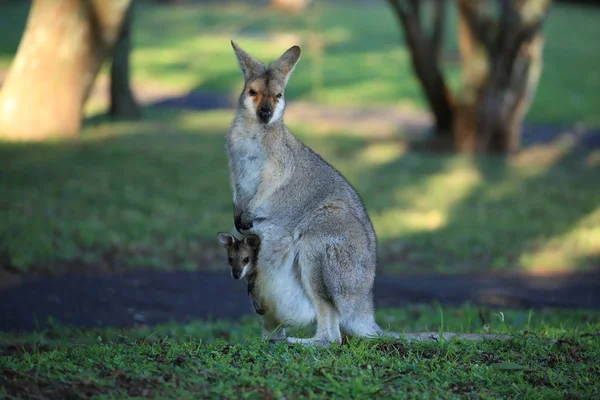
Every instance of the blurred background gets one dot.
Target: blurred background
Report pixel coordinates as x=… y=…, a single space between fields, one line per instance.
x=470 y=128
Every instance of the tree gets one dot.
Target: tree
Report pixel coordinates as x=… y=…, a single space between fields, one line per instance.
x=60 y=54
x=122 y=101
x=500 y=43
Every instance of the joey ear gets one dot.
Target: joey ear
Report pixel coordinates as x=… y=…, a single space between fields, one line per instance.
x=225 y=239
x=252 y=241
x=250 y=66
x=286 y=63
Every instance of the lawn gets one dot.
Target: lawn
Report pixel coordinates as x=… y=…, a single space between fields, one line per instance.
x=553 y=356
x=154 y=193
x=353 y=54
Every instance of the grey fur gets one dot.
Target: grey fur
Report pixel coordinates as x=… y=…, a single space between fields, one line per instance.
x=318 y=247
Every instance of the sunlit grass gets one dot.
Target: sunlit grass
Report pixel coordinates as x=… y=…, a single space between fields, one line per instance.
x=154 y=193
x=563 y=252
x=552 y=356
x=361 y=59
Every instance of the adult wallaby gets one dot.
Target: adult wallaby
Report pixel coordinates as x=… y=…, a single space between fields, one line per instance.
x=318 y=246
x=317 y=257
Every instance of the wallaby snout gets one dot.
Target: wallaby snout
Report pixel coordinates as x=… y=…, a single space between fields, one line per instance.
x=264 y=114
x=236 y=273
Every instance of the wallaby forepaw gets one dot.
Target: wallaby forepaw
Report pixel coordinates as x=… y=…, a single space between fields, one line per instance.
x=243 y=222
x=258 y=308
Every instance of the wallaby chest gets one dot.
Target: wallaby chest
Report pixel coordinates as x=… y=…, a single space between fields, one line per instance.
x=249 y=158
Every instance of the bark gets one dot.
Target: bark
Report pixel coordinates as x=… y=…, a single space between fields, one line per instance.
x=501 y=65
x=61 y=51
x=440 y=10
x=501 y=68
x=515 y=56
x=122 y=101
x=425 y=64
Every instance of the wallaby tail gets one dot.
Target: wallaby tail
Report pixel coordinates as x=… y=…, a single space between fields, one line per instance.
x=436 y=336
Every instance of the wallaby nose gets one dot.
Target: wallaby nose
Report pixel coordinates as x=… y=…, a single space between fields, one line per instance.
x=265 y=113
x=236 y=274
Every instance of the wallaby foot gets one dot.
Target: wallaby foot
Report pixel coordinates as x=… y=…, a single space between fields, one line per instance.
x=272 y=329
x=328 y=326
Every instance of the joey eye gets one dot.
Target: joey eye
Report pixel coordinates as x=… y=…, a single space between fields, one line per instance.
x=251 y=92
x=246 y=260
x=230 y=260
x=279 y=96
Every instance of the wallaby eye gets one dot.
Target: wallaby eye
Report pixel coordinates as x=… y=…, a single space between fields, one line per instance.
x=230 y=260
x=251 y=92
x=246 y=260
x=279 y=95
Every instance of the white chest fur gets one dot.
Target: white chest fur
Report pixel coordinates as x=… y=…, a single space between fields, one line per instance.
x=278 y=281
x=286 y=294
x=249 y=159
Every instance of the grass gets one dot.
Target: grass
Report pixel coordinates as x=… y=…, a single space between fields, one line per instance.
x=227 y=360
x=154 y=193
x=352 y=54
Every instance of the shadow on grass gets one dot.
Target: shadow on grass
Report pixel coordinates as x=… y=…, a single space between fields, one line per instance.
x=117 y=198
x=538 y=210
x=153 y=193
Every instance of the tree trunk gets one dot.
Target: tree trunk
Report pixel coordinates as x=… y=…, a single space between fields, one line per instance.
x=425 y=61
x=122 y=101
x=61 y=51
x=502 y=62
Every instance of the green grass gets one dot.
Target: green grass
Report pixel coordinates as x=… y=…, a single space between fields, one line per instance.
x=227 y=360
x=362 y=60
x=154 y=193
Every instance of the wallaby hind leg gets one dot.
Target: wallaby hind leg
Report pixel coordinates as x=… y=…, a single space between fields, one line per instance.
x=357 y=316
x=362 y=324
x=328 y=326
x=272 y=329
x=357 y=319
x=327 y=315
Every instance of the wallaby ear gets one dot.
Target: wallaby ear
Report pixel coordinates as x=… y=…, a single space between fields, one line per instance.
x=225 y=239
x=250 y=66
x=252 y=241
x=286 y=63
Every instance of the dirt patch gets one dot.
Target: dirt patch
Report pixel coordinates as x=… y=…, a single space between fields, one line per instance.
x=392 y=348
x=27 y=386
x=154 y=297
x=9 y=278
x=394 y=121
x=15 y=349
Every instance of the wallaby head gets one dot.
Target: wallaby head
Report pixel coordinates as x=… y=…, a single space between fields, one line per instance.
x=242 y=254
x=262 y=98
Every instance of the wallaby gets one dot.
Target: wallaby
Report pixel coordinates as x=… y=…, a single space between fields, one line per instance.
x=318 y=247
x=242 y=256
